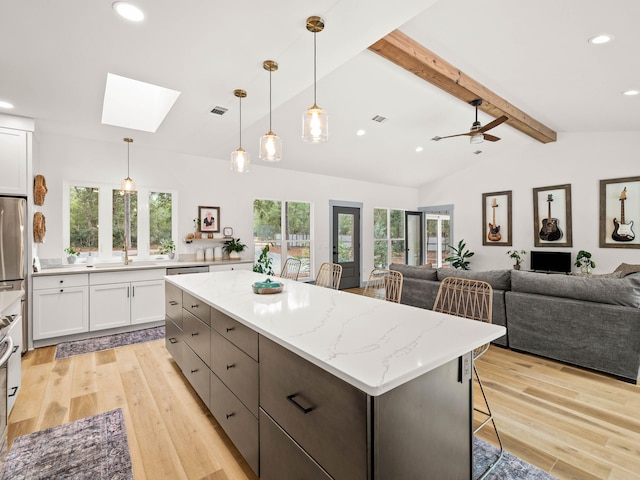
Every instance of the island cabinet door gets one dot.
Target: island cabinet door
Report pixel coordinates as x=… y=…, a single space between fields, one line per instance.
x=173 y=341
x=324 y=415
x=173 y=303
x=196 y=307
x=198 y=336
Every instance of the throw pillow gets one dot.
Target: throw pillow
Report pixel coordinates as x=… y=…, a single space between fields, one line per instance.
x=627 y=269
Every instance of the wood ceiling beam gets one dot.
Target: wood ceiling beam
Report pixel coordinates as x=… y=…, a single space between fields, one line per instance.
x=410 y=55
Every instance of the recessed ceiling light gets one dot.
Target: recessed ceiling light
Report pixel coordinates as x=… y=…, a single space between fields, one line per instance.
x=128 y=11
x=4 y=104
x=360 y=132
x=630 y=93
x=419 y=149
x=600 y=39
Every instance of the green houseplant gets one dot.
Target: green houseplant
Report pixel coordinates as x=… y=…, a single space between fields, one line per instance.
x=459 y=258
x=167 y=247
x=583 y=260
x=517 y=257
x=233 y=247
x=263 y=264
x=72 y=254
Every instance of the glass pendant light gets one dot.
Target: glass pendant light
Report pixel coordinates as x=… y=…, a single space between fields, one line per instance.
x=315 y=122
x=270 y=143
x=240 y=158
x=128 y=185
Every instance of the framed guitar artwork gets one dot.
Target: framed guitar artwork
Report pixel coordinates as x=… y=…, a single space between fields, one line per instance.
x=620 y=213
x=552 y=216
x=496 y=219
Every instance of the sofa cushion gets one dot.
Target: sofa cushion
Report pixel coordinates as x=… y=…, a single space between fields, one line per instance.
x=498 y=279
x=612 y=291
x=414 y=272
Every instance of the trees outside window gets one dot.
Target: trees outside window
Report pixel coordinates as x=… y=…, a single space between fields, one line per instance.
x=83 y=212
x=388 y=237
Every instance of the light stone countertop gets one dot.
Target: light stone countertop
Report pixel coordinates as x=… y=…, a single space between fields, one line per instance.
x=369 y=343
x=135 y=265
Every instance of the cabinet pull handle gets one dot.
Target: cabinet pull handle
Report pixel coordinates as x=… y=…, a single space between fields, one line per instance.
x=13 y=392
x=128 y=291
x=173 y=302
x=173 y=340
x=194 y=371
x=231 y=366
x=297 y=405
x=194 y=334
x=229 y=415
x=61 y=290
x=61 y=281
x=195 y=306
x=133 y=291
x=15 y=349
x=230 y=329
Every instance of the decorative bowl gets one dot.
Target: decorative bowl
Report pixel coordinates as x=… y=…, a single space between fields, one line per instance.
x=267 y=287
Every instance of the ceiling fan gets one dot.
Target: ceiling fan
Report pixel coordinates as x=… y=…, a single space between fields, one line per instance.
x=477 y=131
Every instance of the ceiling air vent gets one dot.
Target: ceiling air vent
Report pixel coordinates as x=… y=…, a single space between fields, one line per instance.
x=219 y=110
x=379 y=118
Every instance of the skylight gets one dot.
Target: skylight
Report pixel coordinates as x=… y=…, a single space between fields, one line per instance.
x=137 y=105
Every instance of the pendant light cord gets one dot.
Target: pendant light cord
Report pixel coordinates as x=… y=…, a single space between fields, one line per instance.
x=240 y=121
x=128 y=176
x=270 y=100
x=315 y=102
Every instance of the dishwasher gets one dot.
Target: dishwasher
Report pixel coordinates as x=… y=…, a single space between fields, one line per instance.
x=184 y=270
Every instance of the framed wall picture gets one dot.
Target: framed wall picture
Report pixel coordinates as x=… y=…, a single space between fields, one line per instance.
x=619 y=212
x=552 y=216
x=209 y=219
x=496 y=218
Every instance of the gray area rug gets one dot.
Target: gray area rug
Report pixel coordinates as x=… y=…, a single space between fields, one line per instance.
x=509 y=468
x=93 y=448
x=69 y=349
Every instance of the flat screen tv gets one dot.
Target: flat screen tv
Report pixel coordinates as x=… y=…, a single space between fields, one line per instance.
x=551 y=261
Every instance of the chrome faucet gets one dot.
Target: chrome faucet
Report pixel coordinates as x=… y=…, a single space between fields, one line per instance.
x=126 y=254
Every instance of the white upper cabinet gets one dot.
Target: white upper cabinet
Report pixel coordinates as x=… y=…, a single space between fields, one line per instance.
x=13 y=162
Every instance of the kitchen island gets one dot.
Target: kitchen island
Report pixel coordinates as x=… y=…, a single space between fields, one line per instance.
x=318 y=383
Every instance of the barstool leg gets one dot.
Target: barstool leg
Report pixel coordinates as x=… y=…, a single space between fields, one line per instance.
x=488 y=419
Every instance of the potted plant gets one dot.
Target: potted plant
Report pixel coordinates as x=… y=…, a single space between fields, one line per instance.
x=196 y=227
x=72 y=254
x=263 y=264
x=233 y=247
x=167 y=247
x=459 y=257
x=583 y=260
x=517 y=257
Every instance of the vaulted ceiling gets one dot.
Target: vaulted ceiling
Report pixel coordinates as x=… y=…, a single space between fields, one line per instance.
x=532 y=58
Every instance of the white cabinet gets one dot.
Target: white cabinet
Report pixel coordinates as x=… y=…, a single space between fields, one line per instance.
x=126 y=298
x=14 y=367
x=60 y=305
x=231 y=266
x=13 y=162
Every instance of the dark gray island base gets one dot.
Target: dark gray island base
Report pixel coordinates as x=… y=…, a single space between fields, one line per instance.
x=292 y=419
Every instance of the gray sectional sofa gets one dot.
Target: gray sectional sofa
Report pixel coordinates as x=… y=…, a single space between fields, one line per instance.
x=592 y=322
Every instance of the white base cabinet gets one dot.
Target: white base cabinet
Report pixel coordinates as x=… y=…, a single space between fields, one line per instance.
x=60 y=305
x=14 y=367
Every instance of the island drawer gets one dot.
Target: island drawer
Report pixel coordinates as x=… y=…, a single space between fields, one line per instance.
x=238 y=422
x=198 y=336
x=240 y=335
x=236 y=369
x=197 y=373
x=197 y=307
x=281 y=457
x=326 y=416
x=59 y=281
x=173 y=303
x=173 y=341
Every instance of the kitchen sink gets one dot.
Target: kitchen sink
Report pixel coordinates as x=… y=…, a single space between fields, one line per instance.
x=134 y=263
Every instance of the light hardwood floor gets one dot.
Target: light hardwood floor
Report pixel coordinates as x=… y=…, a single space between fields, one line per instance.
x=570 y=422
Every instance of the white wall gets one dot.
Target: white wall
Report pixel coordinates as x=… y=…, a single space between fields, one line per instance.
x=207 y=181
x=580 y=159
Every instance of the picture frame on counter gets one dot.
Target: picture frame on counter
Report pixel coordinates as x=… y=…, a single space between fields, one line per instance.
x=209 y=219
x=619 y=212
x=552 y=216
x=496 y=219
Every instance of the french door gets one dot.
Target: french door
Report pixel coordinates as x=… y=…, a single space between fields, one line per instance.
x=346 y=244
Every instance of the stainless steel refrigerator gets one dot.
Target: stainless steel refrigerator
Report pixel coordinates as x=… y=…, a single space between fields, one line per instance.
x=12 y=251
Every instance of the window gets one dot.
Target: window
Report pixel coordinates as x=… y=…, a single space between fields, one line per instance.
x=388 y=237
x=152 y=218
x=83 y=214
x=437 y=238
x=286 y=228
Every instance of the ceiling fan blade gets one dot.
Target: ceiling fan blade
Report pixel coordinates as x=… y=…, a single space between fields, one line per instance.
x=493 y=124
x=490 y=138
x=451 y=136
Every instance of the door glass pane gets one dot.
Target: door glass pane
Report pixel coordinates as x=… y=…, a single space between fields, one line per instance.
x=159 y=218
x=125 y=221
x=83 y=219
x=299 y=235
x=413 y=239
x=445 y=239
x=431 y=241
x=345 y=238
